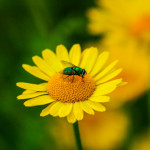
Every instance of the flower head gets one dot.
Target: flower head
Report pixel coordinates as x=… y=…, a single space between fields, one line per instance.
x=110 y=128
x=136 y=70
x=126 y=20
x=67 y=90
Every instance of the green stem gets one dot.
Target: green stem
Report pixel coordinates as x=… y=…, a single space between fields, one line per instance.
x=77 y=135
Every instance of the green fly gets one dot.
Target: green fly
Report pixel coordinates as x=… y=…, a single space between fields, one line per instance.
x=73 y=70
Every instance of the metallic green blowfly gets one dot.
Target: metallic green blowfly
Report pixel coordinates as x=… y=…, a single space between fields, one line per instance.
x=73 y=70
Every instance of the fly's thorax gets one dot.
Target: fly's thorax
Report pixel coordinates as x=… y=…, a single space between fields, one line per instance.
x=78 y=70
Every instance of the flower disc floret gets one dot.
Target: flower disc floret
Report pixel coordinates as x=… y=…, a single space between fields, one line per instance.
x=70 y=89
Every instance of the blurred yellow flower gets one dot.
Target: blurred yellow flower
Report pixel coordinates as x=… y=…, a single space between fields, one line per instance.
x=135 y=62
x=122 y=19
x=102 y=131
x=70 y=95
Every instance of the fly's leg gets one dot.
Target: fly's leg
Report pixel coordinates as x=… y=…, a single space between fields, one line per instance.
x=73 y=78
x=66 y=77
x=82 y=78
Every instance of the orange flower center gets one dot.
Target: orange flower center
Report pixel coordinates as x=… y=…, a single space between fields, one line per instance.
x=70 y=89
x=140 y=26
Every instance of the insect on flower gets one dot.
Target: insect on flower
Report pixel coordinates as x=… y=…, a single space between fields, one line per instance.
x=65 y=98
x=73 y=70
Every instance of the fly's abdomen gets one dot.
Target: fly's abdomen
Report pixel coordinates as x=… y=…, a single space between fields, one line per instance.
x=68 y=71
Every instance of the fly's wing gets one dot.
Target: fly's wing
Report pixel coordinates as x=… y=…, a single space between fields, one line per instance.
x=67 y=64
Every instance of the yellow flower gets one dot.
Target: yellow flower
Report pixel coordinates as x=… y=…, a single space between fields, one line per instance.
x=107 y=130
x=103 y=131
x=70 y=96
x=121 y=18
x=135 y=62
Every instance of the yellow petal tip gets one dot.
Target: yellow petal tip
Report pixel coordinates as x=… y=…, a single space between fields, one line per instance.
x=23 y=65
x=103 y=110
x=27 y=104
x=18 y=97
x=122 y=84
x=73 y=121
x=34 y=57
x=76 y=44
x=42 y=115
x=61 y=45
x=121 y=69
x=18 y=84
x=47 y=49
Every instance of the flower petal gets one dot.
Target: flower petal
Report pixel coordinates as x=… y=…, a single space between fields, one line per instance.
x=65 y=109
x=62 y=53
x=54 y=110
x=86 y=107
x=26 y=96
x=77 y=110
x=84 y=58
x=100 y=98
x=28 y=92
x=106 y=70
x=109 y=76
x=75 y=54
x=92 y=60
x=34 y=87
x=36 y=72
x=45 y=111
x=96 y=106
x=106 y=88
x=71 y=117
x=40 y=100
x=122 y=84
x=89 y=58
x=52 y=60
x=101 y=61
x=43 y=65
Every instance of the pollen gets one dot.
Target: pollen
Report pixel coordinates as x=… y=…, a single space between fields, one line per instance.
x=72 y=88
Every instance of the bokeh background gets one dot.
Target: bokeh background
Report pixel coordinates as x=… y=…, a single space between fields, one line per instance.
x=120 y=26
